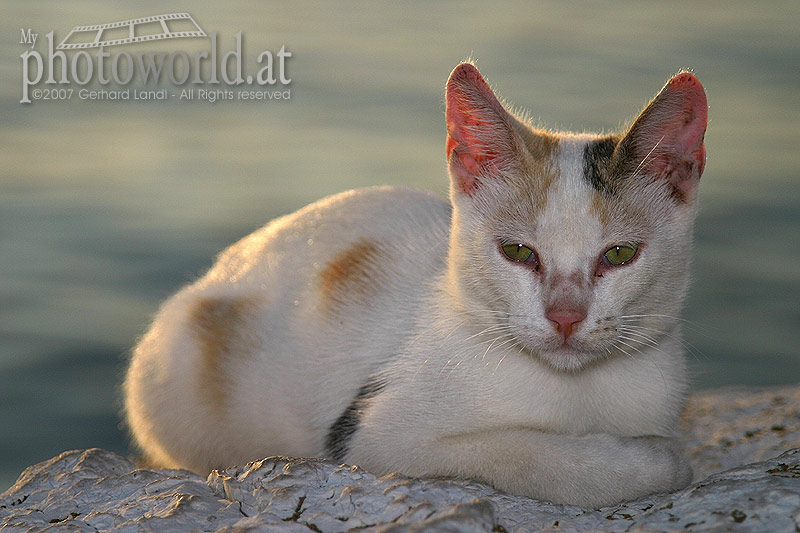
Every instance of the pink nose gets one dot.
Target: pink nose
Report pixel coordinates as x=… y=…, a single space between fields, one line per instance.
x=565 y=320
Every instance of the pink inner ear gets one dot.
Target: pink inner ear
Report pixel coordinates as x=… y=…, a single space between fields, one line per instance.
x=472 y=125
x=695 y=110
x=668 y=135
x=462 y=123
x=700 y=156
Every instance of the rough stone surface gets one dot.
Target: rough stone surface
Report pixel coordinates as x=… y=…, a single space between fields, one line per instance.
x=727 y=428
x=734 y=437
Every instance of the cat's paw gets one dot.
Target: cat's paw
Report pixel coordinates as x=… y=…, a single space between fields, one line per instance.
x=670 y=469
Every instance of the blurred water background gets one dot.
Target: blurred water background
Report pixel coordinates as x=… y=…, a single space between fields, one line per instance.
x=106 y=208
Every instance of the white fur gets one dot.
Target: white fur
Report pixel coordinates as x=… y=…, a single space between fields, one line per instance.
x=287 y=395
x=478 y=383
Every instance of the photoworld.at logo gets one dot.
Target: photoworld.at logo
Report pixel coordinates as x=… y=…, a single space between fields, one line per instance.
x=81 y=59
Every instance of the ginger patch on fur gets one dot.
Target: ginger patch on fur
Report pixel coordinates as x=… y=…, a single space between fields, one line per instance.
x=538 y=164
x=351 y=272
x=224 y=329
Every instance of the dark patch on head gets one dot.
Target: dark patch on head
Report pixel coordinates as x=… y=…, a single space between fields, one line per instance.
x=342 y=430
x=598 y=157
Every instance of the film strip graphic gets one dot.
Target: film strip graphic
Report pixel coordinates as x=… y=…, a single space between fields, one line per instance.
x=149 y=30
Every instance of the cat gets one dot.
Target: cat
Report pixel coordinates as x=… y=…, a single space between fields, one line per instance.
x=524 y=334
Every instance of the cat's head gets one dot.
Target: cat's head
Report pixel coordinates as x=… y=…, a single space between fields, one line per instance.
x=575 y=247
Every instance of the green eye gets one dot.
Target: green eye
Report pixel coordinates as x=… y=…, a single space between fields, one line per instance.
x=619 y=255
x=519 y=252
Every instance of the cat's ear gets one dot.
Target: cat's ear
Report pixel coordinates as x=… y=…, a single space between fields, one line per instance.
x=480 y=135
x=666 y=140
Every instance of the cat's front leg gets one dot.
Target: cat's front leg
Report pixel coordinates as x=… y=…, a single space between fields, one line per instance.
x=590 y=470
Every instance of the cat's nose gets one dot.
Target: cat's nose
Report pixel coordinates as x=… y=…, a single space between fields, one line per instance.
x=565 y=321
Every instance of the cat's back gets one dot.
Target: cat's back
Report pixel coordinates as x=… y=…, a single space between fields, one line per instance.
x=337 y=287
x=332 y=268
x=322 y=295
x=334 y=239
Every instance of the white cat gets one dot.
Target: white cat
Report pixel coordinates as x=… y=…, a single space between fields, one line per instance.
x=524 y=334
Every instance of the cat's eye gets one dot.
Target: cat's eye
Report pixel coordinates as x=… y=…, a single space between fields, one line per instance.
x=519 y=252
x=619 y=255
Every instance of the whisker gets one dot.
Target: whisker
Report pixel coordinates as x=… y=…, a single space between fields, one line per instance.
x=644 y=338
x=515 y=344
x=641 y=164
x=691 y=348
x=488 y=348
x=644 y=345
x=663 y=379
x=704 y=330
x=505 y=337
x=621 y=349
x=497 y=327
x=634 y=348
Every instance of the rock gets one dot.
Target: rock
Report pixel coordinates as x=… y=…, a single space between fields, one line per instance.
x=93 y=490
x=731 y=427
